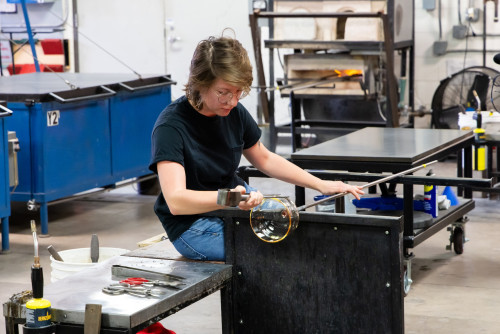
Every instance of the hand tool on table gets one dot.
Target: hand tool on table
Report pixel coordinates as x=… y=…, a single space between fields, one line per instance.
x=134 y=280
x=94 y=248
x=231 y=197
x=272 y=221
x=126 y=271
x=140 y=281
x=54 y=253
x=134 y=290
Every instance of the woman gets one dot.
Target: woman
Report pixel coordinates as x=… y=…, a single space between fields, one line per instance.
x=197 y=144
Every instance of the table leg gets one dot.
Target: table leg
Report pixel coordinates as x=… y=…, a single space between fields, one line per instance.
x=300 y=196
x=468 y=169
x=11 y=326
x=5 y=234
x=489 y=160
x=408 y=209
x=460 y=171
x=497 y=164
x=295 y=106
x=340 y=205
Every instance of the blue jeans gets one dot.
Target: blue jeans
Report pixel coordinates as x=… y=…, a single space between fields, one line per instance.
x=204 y=240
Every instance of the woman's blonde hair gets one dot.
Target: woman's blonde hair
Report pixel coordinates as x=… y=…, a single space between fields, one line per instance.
x=222 y=57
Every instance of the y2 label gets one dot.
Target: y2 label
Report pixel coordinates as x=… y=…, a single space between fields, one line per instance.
x=53 y=117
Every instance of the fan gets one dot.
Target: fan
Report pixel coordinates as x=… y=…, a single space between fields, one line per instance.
x=455 y=93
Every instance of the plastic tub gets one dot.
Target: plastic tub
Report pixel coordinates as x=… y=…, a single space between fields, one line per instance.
x=78 y=259
x=328 y=206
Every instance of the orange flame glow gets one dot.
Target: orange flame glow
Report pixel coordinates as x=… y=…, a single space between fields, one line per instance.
x=348 y=73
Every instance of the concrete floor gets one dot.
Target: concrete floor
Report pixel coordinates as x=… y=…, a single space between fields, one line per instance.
x=450 y=293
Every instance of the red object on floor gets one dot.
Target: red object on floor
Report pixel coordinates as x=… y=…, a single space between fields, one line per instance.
x=156 y=328
x=52 y=46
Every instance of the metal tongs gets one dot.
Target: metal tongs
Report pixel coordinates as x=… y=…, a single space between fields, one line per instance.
x=134 y=290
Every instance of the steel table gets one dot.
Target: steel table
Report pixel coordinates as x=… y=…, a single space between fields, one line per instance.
x=126 y=313
x=386 y=149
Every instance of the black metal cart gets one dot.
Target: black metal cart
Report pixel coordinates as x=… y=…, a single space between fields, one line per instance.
x=394 y=150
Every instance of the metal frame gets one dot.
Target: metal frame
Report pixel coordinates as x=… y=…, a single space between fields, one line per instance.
x=267 y=103
x=491 y=142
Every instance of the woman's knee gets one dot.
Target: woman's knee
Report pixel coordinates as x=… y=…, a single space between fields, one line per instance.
x=204 y=240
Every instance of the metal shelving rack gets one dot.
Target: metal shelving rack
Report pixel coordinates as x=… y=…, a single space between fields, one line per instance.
x=388 y=47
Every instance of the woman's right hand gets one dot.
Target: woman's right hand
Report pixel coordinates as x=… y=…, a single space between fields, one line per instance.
x=254 y=198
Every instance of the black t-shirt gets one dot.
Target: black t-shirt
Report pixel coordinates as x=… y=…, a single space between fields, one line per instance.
x=209 y=148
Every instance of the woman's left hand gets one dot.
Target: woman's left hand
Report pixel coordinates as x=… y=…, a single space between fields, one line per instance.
x=333 y=187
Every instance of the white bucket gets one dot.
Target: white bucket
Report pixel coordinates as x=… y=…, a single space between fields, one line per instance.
x=78 y=259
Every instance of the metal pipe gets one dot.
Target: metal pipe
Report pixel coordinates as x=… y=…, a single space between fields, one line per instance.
x=484 y=34
x=314 y=83
x=76 y=44
x=30 y=35
x=317 y=15
x=373 y=183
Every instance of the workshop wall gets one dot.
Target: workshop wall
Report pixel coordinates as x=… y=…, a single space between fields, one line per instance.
x=159 y=37
x=431 y=68
x=121 y=35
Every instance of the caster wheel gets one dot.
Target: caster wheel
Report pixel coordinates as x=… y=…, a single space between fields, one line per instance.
x=407 y=283
x=458 y=240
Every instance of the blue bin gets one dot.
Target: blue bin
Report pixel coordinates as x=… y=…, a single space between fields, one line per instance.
x=4 y=179
x=76 y=139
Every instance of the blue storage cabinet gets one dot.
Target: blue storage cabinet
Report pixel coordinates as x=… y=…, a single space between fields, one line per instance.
x=133 y=113
x=4 y=181
x=74 y=140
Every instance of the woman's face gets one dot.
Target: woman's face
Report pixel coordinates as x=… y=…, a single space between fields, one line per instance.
x=219 y=99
